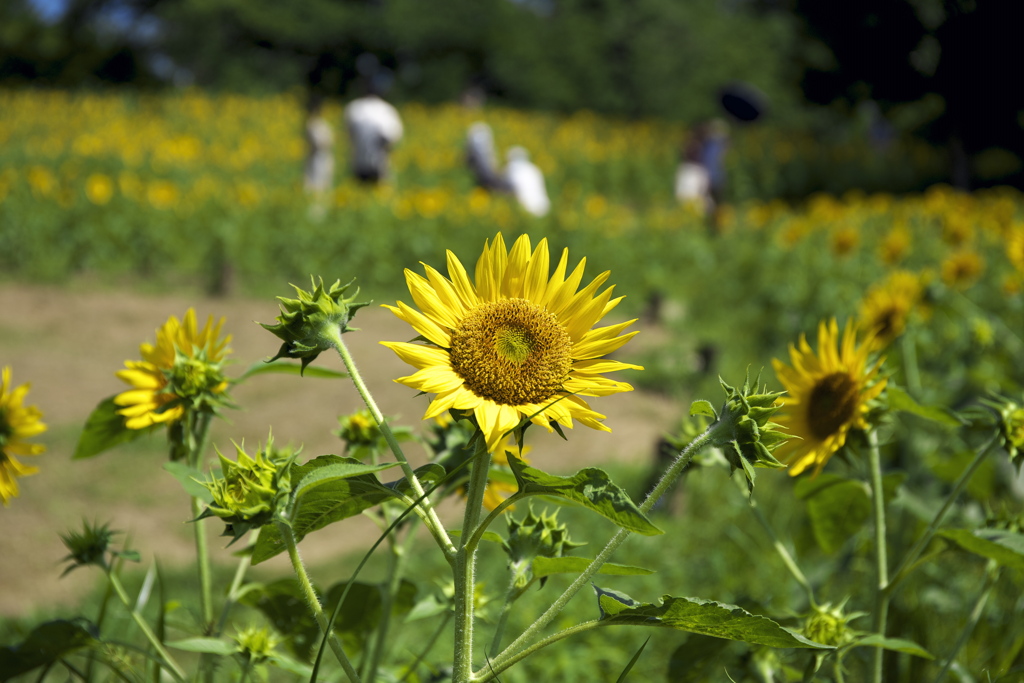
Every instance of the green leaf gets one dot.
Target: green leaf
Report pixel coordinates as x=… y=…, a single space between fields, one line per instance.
x=291 y=666
x=281 y=367
x=212 y=646
x=329 y=472
x=701 y=616
x=632 y=662
x=702 y=407
x=592 y=488
x=189 y=478
x=284 y=605
x=1005 y=547
x=902 y=401
x=546 y=566
x=429 y=475
x=698 y=660
x=492 y=536
x=894 y=644
x=838 y=508
x=105 y=429
x=321 y=505
x=46 y=644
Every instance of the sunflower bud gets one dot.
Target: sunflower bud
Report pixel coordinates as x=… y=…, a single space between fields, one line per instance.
x=312 y=323
x=1010 y=423
x=829 y=625
x=91 y=545
x=250 y=491
x=534 y=536
x=743 y=430
x=256 y=644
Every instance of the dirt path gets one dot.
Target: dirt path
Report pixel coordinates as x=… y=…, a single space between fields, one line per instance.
x=68 y=343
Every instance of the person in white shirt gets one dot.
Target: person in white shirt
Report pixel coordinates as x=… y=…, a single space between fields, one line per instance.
x=526 y=182
x=374 y=127
x=318 y=178
x=482 y=160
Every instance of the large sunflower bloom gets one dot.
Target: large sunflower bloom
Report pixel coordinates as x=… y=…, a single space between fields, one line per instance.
x=183 y=367
x=17 y=423
x=826 y=395
x=516 y=342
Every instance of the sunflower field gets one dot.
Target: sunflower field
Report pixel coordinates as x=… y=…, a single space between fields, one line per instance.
x=851 y=509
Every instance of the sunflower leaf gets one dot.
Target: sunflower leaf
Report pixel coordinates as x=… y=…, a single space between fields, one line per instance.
x=314 y=507
x=46 y=644
x=1004 y=546
x=570 y=564
x=894 y=644
x=705 y=617
x=902 y=401
x=104 y=430
x=280 y=367
x=591 y=487
x=838 y=508
x=702 y=407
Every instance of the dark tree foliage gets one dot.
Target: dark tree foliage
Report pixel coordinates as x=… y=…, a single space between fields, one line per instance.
x=963 y=55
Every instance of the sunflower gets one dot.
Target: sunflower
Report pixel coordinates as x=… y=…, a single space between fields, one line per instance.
x=887 y=305
x=1015 y=247
x=182 y=368
x=17 y=423
x=516 y=343
x=962 y=268
x=826 y=395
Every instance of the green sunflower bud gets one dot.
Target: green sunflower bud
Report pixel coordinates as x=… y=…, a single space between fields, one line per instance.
x=1010 y=423
x=250 y=491
x=311 y=323
x=534 y=536
x=256 y=644
x=91 y=545
x=829 y=625
x=742 y=427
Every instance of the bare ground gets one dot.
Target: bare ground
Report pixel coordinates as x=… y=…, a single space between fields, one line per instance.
x=68 y=342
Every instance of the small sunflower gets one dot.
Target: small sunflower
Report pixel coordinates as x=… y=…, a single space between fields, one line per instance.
x=182 y=368
x=1015 y=247
x=826 y=395
x=17 y=423
x=887 y=306
x=962 y=268
x=518 y=342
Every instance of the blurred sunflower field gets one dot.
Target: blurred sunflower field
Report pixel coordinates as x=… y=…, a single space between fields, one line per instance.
x=203 y=193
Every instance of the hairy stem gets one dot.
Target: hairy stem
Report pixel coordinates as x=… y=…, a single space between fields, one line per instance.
x=663 y=485
x=314 y=601
x=494 y=667
x=783 y=552
x=465 y=564
x=168 y=660
x=880 y=614
x=907 y=564
x=431 y=519
x=991 y=576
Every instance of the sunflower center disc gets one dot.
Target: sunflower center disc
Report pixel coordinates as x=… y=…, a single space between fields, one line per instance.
x=831 y=405
x=512 y=352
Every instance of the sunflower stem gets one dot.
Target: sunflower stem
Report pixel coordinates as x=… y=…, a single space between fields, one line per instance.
x=907 y=563
x=787 y=558
x=168 y=660
x=908 y=346
x=509 y=654
x=465 y=563
x=431 y=519
x=198 y=431
x=314 y=601
x=881 y=610
x=991 y=576
x=494 y=668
